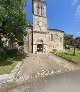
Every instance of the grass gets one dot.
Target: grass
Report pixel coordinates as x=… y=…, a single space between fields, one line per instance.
x=68 y=54
x=7 y=66
x=9 y=59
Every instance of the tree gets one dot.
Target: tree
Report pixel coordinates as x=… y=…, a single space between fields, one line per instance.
x=67 y=39
x=77 y=42
x=12 y=20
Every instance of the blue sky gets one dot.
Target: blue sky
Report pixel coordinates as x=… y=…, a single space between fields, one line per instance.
x=62 y=14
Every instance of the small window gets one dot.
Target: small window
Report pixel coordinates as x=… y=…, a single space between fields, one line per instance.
x=43 y=11
x=38 y=9
x=51 y=37
x=60 y=39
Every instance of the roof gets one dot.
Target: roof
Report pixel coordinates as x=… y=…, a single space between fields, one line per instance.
x=55 y=30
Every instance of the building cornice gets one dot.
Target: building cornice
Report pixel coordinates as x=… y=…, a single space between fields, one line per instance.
x=37 y=44
x=40 y=16
x=40 y=32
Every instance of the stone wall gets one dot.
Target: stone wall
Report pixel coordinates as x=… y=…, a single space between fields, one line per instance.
x=28 y=41
x=10 y=78
x=36 y=26
x=39 y=6
x=40 y=38
x=56 y=43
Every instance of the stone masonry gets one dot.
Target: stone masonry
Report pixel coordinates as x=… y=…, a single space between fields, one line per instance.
x=40 y=38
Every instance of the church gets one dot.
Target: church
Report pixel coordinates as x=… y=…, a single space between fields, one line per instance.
x=40 y=38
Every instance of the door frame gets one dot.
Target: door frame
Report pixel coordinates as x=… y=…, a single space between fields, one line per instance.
x=40 y=48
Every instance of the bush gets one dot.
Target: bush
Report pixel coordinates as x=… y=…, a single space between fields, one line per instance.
x=4 y=55
x=11 y=53
x=67 y=47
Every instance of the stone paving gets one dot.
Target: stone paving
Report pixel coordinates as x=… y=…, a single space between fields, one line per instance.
x=41 y=65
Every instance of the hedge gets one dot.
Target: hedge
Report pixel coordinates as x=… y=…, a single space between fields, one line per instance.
x=4 y=55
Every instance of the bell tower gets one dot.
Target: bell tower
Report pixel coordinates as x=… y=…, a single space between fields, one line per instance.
x=39 y=15
x=39 y=26
x=39 y=8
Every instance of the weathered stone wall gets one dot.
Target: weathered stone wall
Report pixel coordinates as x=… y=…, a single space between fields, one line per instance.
x=41 y=32
x=57 y=42
x=40 y=38
x=28 y=41
x=38 y=7
x=40 y=27
x=36 y=26
x=9 y=78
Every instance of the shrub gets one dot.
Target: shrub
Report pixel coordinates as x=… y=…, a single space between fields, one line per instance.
x=67 y=47
x=11 y=53
x=4 y=55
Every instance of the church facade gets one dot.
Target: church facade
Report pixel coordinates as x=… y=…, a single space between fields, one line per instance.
x=40 y=38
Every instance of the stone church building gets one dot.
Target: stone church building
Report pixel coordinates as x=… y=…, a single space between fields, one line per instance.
x=40 y=38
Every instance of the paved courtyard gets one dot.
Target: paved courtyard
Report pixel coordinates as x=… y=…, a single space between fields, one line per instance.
x=40 y=66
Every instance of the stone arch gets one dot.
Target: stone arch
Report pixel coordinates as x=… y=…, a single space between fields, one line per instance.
x=39 y=41
x=39 y=45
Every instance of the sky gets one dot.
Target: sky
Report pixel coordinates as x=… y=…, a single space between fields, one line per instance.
x=62 y=14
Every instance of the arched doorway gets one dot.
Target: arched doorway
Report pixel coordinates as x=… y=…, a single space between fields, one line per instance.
x=40 y=46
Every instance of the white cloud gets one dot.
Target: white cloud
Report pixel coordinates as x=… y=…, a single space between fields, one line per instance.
x=78 y=33
x=77 y=14
x=74 y=2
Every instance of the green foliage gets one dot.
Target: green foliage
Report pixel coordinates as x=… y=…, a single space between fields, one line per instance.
x=3 y=56
x=7 y=67
x=67 y=39
x=77 y=40
x=25 y=33
x=67 y=47
x=68 y=54
x=8 y=54
x=11 y=53
x=12 y=19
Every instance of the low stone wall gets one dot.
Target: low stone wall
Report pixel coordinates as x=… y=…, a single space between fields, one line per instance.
x=7 y=78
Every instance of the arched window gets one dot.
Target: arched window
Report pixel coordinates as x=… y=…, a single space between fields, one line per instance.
x=51 y=37
x=38 y=9
x=41 y=10
x=60 y=39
